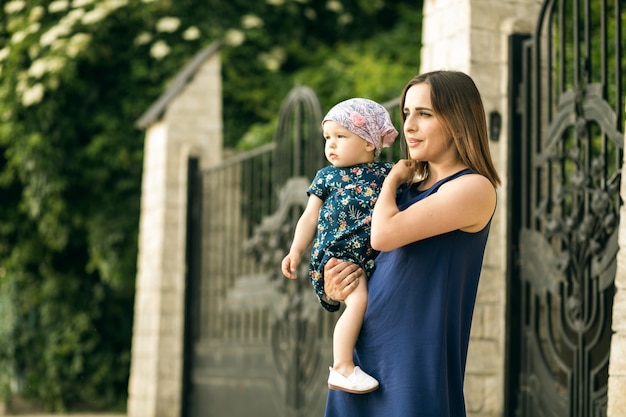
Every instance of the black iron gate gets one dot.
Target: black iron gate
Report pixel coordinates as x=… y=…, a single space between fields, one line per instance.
x=256 y=344
x=567 y=136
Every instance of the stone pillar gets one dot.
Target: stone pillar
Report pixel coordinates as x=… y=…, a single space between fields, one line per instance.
x=617 y=358
x=185 y=122
x=472 y=36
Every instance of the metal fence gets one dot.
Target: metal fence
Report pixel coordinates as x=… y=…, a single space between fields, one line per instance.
x=258 y=343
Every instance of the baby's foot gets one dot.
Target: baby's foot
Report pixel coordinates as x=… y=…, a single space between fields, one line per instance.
x=357 y=383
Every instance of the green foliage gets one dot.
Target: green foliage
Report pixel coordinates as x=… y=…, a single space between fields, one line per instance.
x=308 y=34
x=70 y=187
x=376 y=68
x=74 y=78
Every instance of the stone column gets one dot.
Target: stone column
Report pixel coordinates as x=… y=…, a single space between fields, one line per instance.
x=185 y=122
x=617 y=358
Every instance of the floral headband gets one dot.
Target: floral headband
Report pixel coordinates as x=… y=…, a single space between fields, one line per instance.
x=365 y=118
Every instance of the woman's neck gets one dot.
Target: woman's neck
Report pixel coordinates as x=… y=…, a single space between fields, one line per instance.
x=437 y=172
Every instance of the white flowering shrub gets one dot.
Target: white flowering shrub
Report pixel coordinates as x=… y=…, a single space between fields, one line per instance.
x=74 y=76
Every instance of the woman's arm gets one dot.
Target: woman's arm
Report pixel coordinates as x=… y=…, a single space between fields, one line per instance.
x=465 y=203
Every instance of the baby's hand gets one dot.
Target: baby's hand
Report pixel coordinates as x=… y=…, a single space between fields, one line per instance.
x=289 y=265
x=402 y=172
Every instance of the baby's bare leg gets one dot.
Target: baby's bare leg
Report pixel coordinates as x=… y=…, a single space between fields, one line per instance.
x=347 y=329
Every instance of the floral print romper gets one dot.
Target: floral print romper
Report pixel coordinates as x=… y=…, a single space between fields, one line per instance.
x=343 y=229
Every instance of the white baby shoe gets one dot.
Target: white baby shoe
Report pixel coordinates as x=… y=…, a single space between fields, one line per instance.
x=357 y=383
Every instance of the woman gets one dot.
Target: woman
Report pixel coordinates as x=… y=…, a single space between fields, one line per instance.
x=432 y=239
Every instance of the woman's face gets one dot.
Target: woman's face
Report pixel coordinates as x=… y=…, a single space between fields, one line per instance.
x=426 y=137
x=344 y=148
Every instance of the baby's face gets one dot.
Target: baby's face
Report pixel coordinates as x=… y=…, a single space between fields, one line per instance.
x=344 y=148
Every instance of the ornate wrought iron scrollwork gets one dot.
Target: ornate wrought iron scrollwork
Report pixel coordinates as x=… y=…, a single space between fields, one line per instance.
x=293 y=315
x=568 y=260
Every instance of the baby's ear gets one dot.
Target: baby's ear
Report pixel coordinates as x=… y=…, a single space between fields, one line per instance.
x=369 y=146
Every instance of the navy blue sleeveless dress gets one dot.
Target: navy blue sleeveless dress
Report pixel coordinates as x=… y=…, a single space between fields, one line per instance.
x=416 y=329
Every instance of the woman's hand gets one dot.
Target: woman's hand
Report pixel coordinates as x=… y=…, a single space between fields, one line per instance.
x=341 y=278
